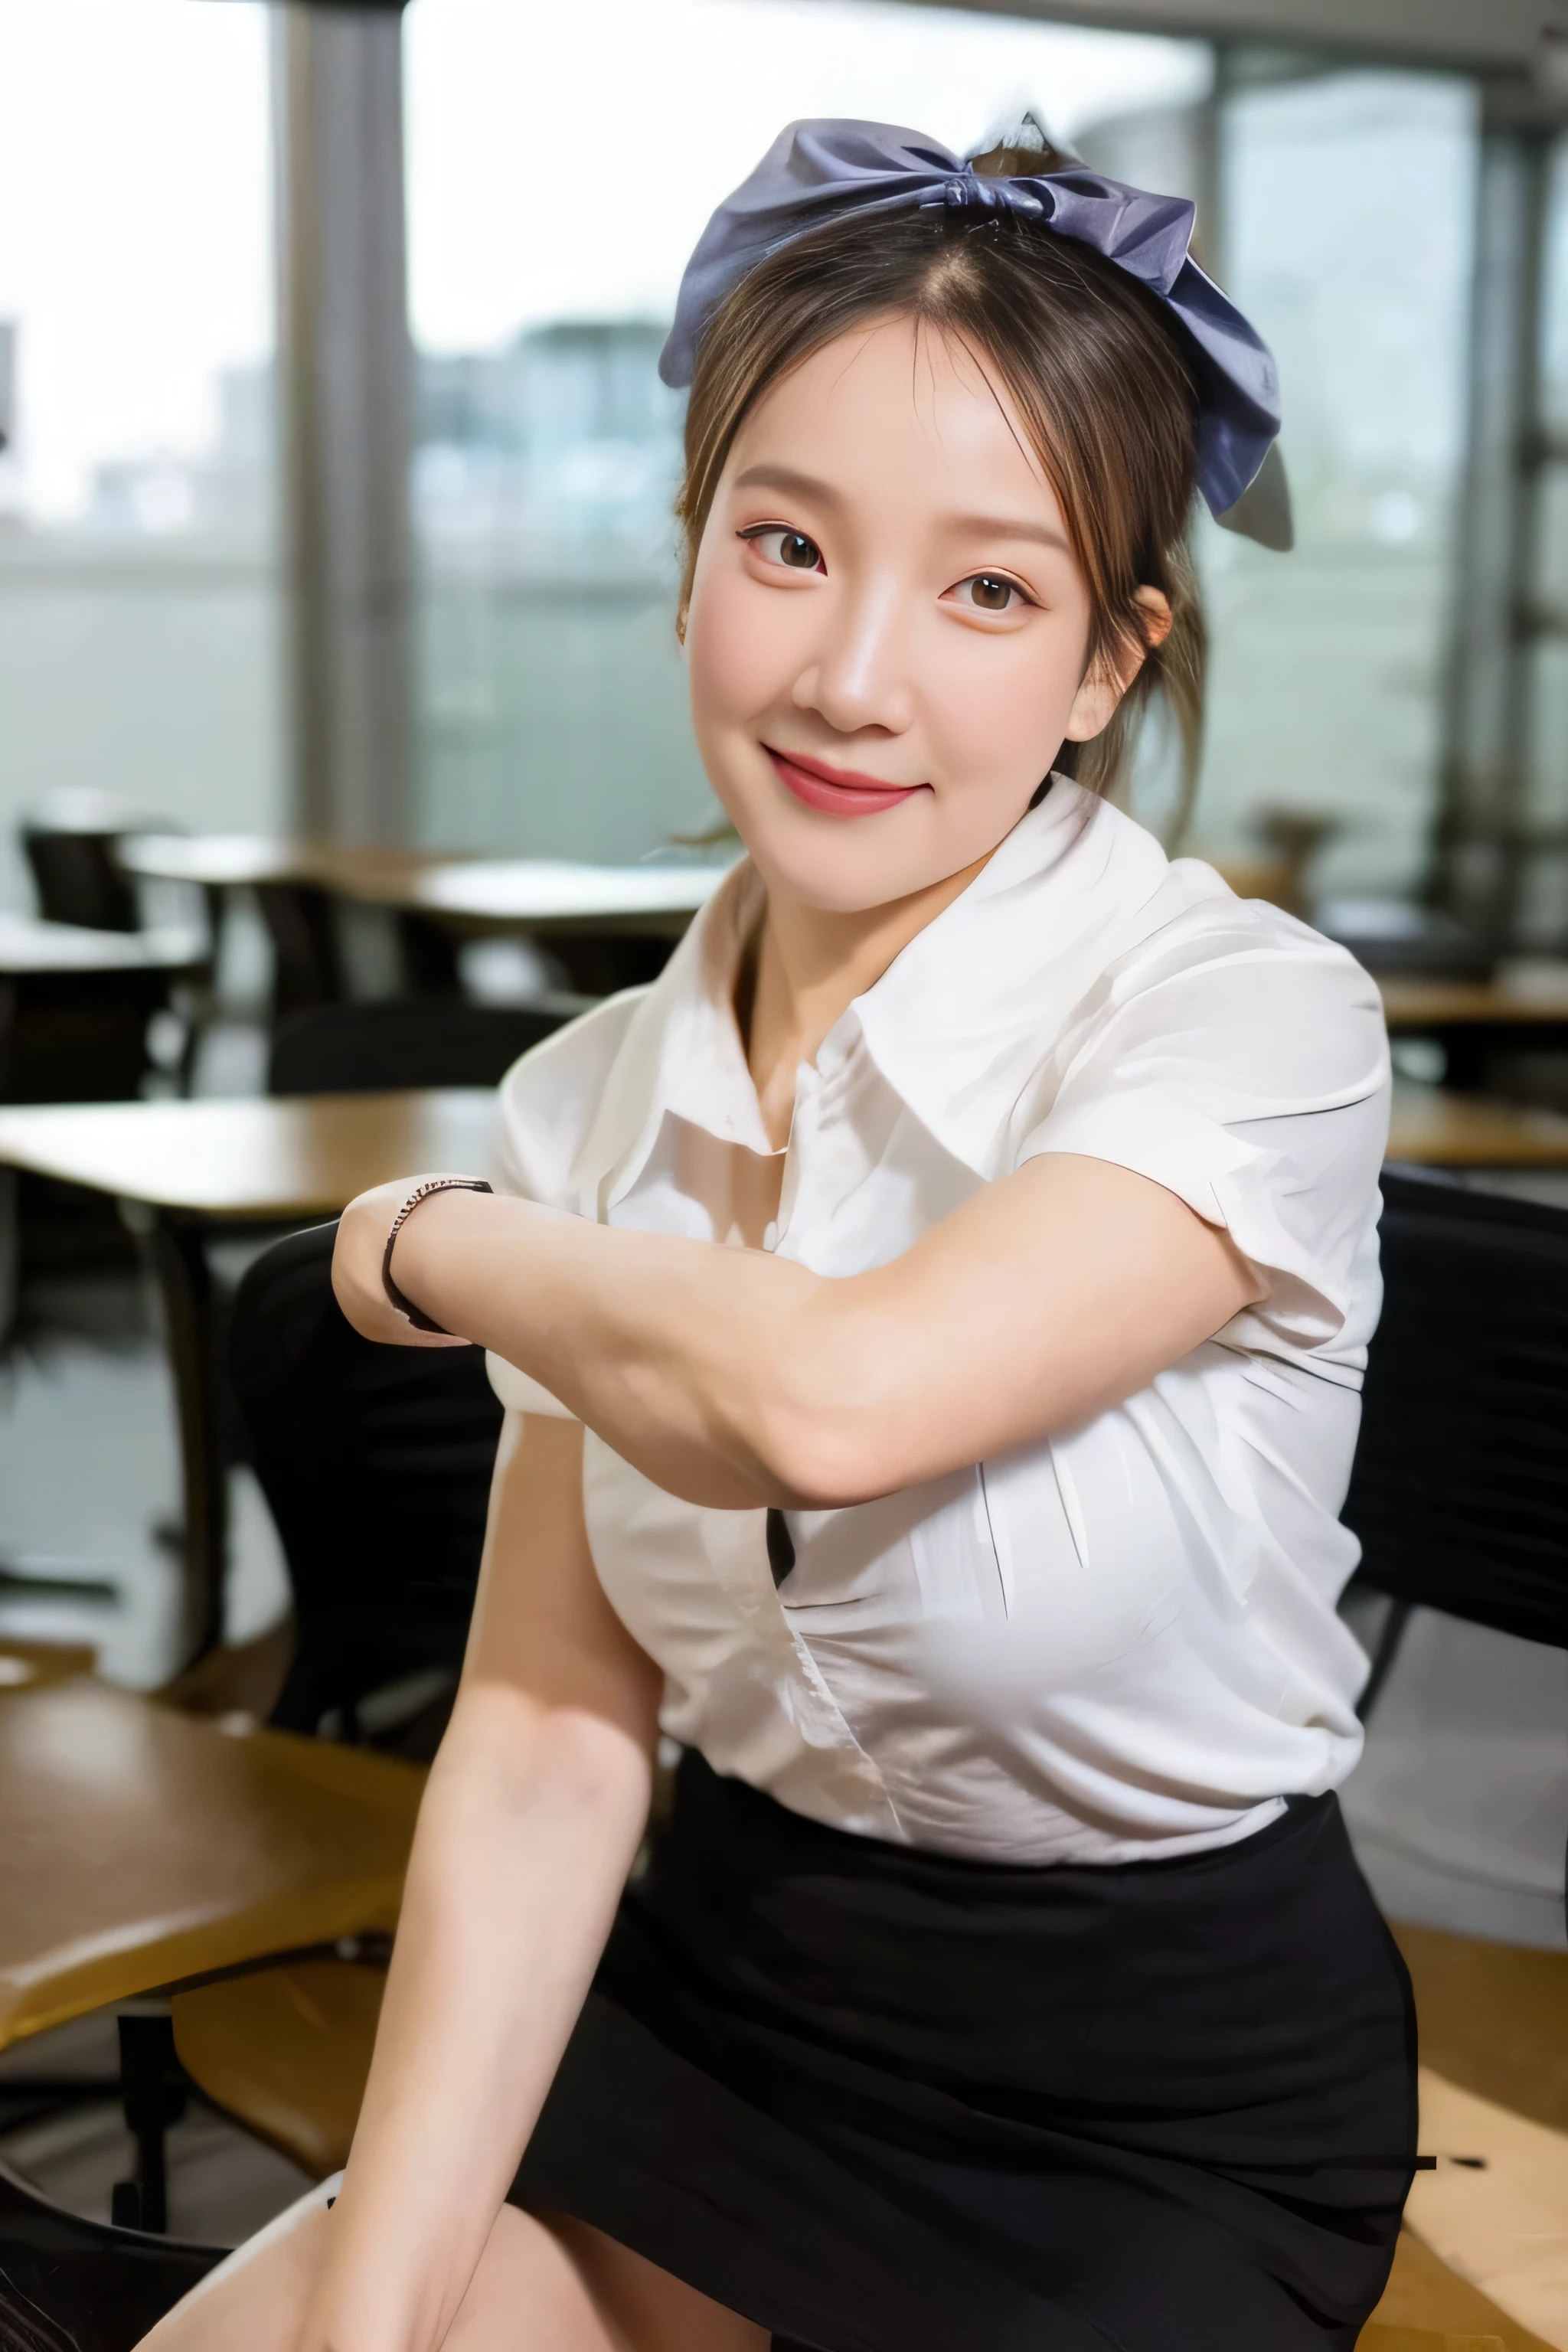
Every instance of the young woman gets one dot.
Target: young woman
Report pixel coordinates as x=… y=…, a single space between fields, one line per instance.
x=933 y=1316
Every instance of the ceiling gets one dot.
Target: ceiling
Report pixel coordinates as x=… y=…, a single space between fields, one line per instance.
x=1481 y=36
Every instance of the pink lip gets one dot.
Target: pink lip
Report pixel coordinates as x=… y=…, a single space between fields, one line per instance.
x=836 y=792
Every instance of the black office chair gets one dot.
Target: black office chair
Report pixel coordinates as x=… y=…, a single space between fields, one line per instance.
x=376 y=1463
x=1459 y=1493
x=406 y=1042
x=72 y=2285
x=68 y=844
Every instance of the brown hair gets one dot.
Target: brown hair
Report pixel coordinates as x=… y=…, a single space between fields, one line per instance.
x=1090 y=360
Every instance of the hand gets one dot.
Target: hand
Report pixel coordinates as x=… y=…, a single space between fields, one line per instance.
x=357 y=1263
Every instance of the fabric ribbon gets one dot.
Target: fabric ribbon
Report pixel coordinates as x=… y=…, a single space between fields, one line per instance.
x=820 y=171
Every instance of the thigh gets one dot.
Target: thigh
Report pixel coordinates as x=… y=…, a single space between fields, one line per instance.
x=557 y=2288
x=256 y=2299
x=559 y=2285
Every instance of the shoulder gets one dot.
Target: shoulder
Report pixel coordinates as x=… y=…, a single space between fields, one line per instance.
x=1233 y=1054
x=1226 y=1016
x=1236 y=984
x=550 y=1099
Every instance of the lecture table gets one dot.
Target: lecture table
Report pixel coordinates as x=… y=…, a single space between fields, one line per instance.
x=1523 y=1007
x=246 y=1168
x=80 y=1000
x=545 y=894
x=437 y=898
x=31 y=950
x=266 y=1165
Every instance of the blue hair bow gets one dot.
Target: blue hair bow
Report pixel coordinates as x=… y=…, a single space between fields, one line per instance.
x=815 y=172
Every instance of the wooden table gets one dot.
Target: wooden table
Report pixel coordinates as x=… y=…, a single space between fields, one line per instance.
x=140 y=1846
x=31 y=949
x=609 y=927
x=435 y=899
x=1434 y=1127
x=551 y=897
x=298 y=884
x=518 y=893
x=1523 y=1009
x=1523 y=995
x=235 y=861
x=75 y=1005
x=251 y=1165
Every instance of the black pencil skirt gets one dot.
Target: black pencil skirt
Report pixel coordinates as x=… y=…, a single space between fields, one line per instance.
x=884 y=2101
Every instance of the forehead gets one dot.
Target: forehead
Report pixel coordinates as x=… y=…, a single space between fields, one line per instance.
x=899 y=402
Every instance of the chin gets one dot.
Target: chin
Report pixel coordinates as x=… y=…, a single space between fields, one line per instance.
x=848 y=867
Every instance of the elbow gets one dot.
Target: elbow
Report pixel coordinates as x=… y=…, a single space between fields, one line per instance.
x=525 y=1753
x=822 y=1410
x=832 y=1433
x=809 y=1461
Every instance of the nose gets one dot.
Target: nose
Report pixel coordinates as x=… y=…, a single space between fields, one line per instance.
x=860 y=675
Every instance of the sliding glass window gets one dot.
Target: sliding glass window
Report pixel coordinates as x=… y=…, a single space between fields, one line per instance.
x=562 y=163
x=138 y=586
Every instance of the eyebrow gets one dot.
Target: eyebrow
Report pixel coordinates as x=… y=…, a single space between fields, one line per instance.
x=785 y=477
x=807 y=486
x=1044 y=534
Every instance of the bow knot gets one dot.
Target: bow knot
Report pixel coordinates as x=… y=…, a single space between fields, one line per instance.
x=815 y=172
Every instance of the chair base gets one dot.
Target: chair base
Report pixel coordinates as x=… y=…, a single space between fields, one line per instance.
x=72 y=2285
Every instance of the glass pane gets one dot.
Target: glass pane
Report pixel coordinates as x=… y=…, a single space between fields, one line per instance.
x=1347 y=211
x=547 y=236
x=137 y=580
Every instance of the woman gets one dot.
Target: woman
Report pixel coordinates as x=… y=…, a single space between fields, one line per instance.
x=931 y=1318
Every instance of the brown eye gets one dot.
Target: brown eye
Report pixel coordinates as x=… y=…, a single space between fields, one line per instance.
x=990 y=594
x=791 y=548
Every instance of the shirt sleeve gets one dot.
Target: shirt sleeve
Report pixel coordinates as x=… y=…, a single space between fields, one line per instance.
x=1241 y=1061
x=547 y=1102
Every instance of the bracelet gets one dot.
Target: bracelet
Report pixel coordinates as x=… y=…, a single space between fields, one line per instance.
x=406 y=1306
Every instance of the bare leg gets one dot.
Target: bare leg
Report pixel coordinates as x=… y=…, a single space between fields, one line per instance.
x=564 y=2287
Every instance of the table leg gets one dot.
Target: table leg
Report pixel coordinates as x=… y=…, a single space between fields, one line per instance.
x=192 y=1326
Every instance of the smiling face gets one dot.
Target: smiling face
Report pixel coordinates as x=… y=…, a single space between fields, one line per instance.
x=888 y=626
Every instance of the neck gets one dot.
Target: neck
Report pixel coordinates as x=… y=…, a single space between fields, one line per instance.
x=810 y=964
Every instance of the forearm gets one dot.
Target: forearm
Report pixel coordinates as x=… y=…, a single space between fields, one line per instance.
x=689 y=1357
x=528 y=1828
x=734 y=1377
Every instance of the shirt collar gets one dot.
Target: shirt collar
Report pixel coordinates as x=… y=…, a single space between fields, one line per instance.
x=956 y=1026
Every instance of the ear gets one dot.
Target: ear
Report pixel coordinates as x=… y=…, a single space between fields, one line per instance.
x=1107 y=681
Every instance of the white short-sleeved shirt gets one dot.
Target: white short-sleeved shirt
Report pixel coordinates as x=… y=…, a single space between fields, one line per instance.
x=1117 y=1643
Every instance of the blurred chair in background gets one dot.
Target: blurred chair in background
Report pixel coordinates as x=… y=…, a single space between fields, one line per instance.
x=375 y=1461
x=70 y=844
x=406 y=1042
x=69 y=847
x=1459 y=1492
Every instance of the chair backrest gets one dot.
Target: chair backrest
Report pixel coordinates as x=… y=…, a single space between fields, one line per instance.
x=376 y=1464
x=68 y=842
x=76 y=879
x=403 y=1042
x=1459 y=1492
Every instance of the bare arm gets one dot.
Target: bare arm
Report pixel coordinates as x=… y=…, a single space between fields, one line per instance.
x=732 y=1378
x=534 y=1807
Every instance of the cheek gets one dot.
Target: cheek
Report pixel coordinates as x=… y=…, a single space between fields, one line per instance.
x=737 y=648
x=997 y=709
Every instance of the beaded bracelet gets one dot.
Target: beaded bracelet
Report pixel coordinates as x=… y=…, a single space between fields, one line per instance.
x=406 y=1306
